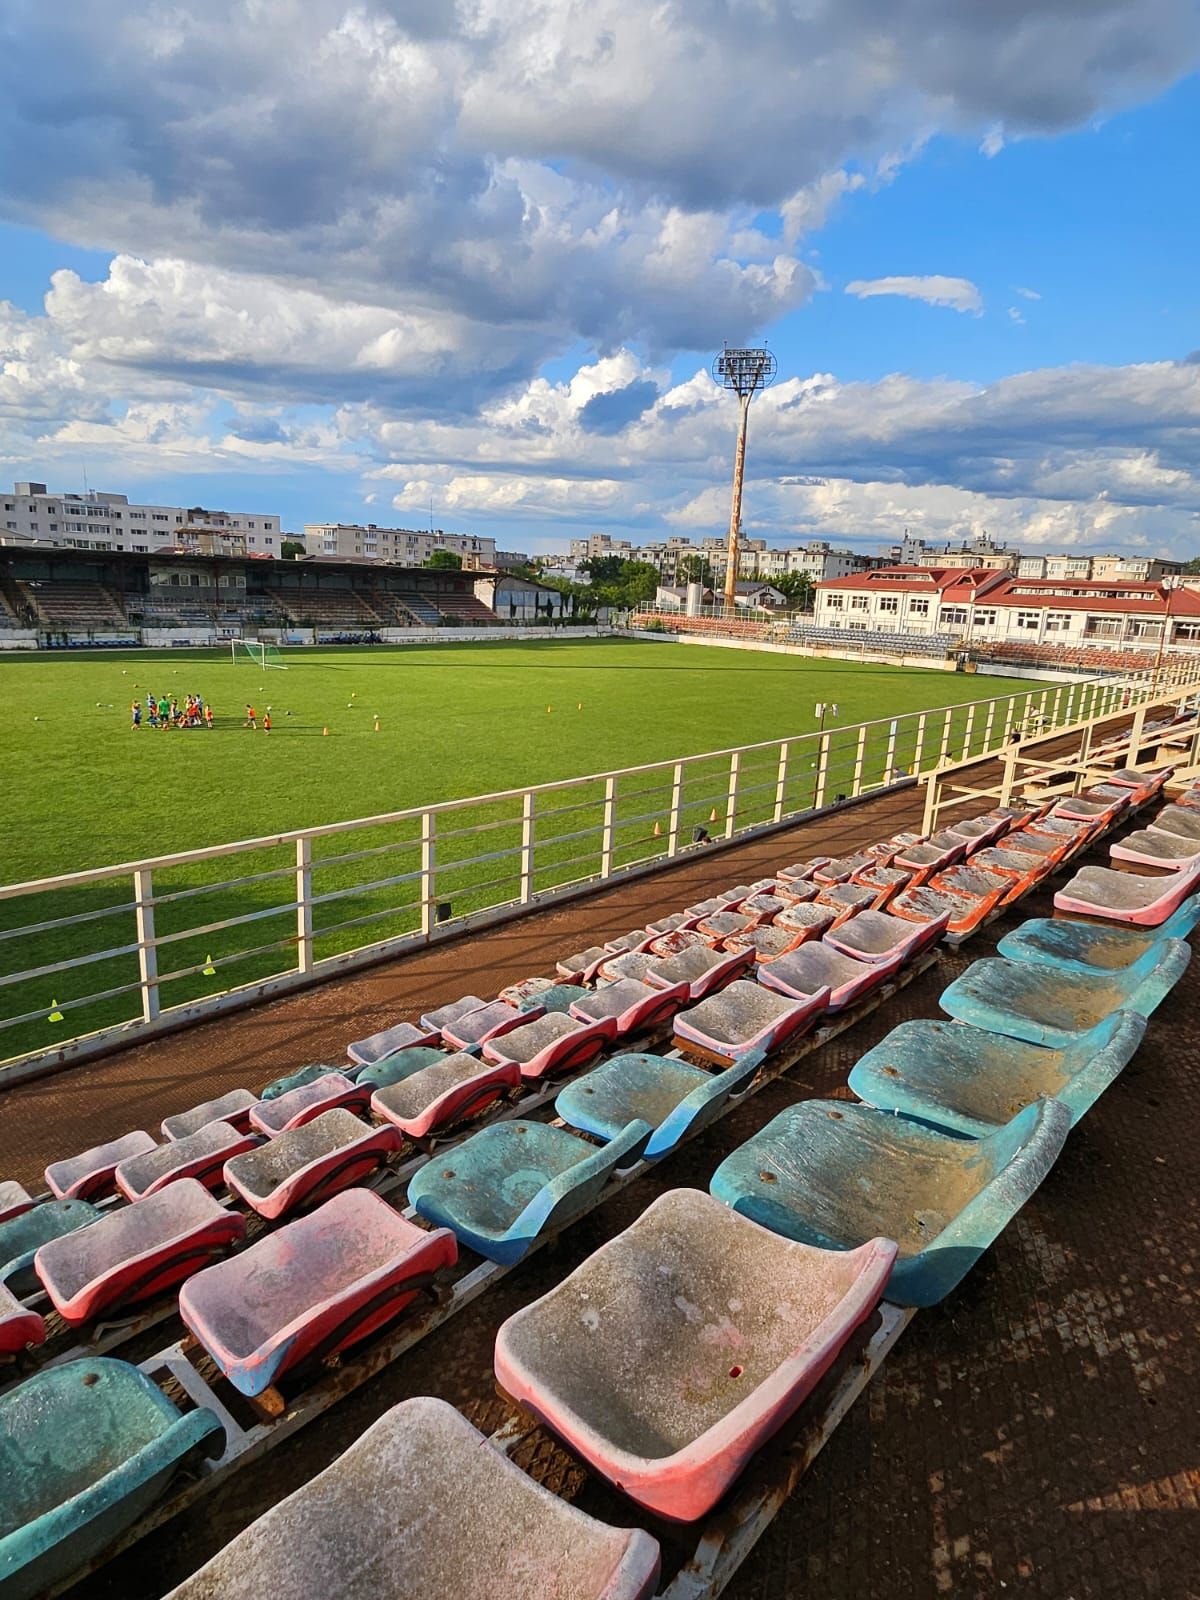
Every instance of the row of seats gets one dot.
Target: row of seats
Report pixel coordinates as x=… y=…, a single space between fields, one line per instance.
x=343 y=1269
x=886 y=641
x=1097 y=658
x=78 y=604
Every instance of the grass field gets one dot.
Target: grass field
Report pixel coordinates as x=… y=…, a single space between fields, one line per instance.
x=82 y=790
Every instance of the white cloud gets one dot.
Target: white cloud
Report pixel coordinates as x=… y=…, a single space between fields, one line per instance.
x=1026 y=294
x=992 y=142
x=959 y=294
x=1015 y=315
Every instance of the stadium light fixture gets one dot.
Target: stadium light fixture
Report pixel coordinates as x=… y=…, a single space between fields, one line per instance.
x=744 y=371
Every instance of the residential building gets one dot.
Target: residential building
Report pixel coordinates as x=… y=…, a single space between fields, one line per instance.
x=981 y=605
x=407 y=546
x=1137 y=569
x=600 y=544
x=98 y=520
x=752 y=594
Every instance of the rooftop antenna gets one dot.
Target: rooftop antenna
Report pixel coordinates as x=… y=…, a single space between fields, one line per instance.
x=744 y=371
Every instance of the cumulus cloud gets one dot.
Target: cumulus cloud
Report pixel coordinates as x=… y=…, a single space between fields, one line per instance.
x=1026 y=294
x=960 y=294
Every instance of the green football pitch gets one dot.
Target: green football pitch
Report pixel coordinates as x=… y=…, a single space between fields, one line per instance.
x=82 y=789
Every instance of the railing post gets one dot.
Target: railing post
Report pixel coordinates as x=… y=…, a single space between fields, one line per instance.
x=970 y=730
x=859 y=754
x=822 y=771
x=1057 y=707
x=428 y=871
x=929 y=816
x=1010 y=773
x=735 y=762
x=987 y=727
x=947 y=721
x=606 y=832
x=1135 y=734
x=676 y=808
x=920 y=749
x=889 y=759
x=304 y=926
x=143 y=895
x=528 y=800
x=1008 y=720
x=780 y=781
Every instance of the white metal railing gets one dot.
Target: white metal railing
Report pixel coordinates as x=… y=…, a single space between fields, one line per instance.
x=90 y=958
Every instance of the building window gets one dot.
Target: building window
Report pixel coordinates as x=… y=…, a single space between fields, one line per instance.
x=889 y=602
x=1057 y=621
x=859 y=602
x=954 y=616
x=918 y=608
x=1029 y=619
x=836 y=602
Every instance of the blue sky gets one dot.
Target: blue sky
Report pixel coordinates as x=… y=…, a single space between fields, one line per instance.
x=337 y=287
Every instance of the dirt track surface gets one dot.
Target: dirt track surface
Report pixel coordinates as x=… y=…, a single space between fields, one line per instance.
x=1035 y=1435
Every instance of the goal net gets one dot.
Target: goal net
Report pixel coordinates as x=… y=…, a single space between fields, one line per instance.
x=262 y=654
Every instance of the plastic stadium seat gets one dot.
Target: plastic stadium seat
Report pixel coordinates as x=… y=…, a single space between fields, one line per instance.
x=505 y=1185
x=393 y=1068
x=702 y=968
x=487 y=1022
x=718 y=925
x=819 y=968
x=201 y=1155
x=847 y=899
x=763 y=907
x=764 y=943
x=1031 y=841
x=677 y=919
x=631 y=1007
x=942 y=850
x=1122 y=897
x=1085 y=808
x=807 y=921
x=435 y=1021
x=476 y=1528
x=22 y=1236
x=309 y=1163
x=1021 y=868
x=13 y=1200
x=303 y=1076
x=233 y=1108
x=873 y=936
x=448 y=1091
x=551 y=1045
x=1091 y=947
x=135 y=1252
x=801 y=871
x=560 y=997
x=1149 y=848
x=978 y=832
x=1046 y=1005
x=672 y=1097
x=93 y=1173
x=926 y=904
x=667 y=1359
x=842 y=868
x=525 y=989
x=302 y=1105
x=625 y=943
x=631 y=964
x=836 y=1175
x=883 y=881
x=85 y=1448
x=401 y=1036
x=1178 y=820
x=19 y=1326
x=975 y=883
x=672 y=944
x=311 y=1288
x=972 y=1081
x=745 y=1017
x=583 y=966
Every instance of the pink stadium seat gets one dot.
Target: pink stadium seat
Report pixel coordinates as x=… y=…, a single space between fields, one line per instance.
x=448 y=1092
x=200 y=1155
x=632 y=1007
x=551 y=1045
x=745 y=1017
x=93 y=1173
x=309 y=1163
x=233 y=1109
x=308 y=1101
x=19 y=1327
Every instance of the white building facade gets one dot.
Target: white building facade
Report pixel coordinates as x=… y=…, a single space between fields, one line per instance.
x=406 y=545
x=101 y=521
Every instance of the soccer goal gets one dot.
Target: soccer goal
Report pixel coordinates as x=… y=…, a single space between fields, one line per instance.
x=262 y=654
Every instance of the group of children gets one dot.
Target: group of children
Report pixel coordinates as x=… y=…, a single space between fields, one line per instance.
x=166 y=711
x=252 y=718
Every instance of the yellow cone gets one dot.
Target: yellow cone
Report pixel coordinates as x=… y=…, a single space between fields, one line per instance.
x=579 y=707
x=208 y=969
x=325 y=732
x=549 y=709
x=55 y=1014
x=712 y=815
x=658 y=830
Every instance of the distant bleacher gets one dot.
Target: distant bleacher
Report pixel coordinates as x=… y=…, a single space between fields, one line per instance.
x=326 y=607
x=78 y=606
x=466 y=610
x=872 y=639
x=718 y=627
x=1083 y=658
x=427 y=615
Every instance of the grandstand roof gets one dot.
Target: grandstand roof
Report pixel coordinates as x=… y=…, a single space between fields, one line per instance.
x=976 y=584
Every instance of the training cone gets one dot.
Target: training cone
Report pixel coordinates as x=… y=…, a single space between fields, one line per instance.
x=579 y=707
x=658 y=830
x=712 y=815
x=55 y=1014
x=549 y=709
x=208 y=969
x=376 y=724
x=325 y=733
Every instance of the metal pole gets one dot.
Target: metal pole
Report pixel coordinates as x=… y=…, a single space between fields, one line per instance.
x=428 y=870
x=606 y=834
x=527 y=827
x=304 y=927
x=735 y=510
x=735 y=762
x=143 y=894
x=676 y=806
x=781 y=782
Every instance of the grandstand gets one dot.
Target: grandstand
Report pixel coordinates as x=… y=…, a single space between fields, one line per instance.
x=466 y=610
x=885 y=642
x=71 y=606
x=716 y=995
x=324 y=606
x=1080 y=658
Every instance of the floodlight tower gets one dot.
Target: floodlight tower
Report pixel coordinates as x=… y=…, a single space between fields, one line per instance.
x=745 y=372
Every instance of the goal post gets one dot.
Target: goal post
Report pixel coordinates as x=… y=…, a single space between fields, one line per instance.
x=262 y=654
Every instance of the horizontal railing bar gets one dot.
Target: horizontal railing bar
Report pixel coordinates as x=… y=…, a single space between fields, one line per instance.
x=66 y=922
x=64 y=966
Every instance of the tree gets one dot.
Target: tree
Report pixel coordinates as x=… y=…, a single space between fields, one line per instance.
x=603 y=570
x=696 y=569
x=292 y=549
x=445 y=560
x=797 y=589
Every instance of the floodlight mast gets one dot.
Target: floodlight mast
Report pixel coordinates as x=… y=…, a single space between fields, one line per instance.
x=745 y=372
